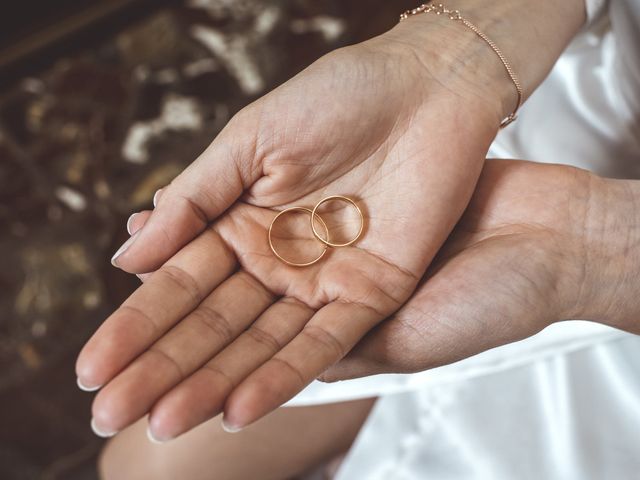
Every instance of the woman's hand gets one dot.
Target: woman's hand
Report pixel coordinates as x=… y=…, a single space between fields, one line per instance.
x=369 y=122
x=538 y=244
x=225 y=324
x=390 y=107
x=402 y=124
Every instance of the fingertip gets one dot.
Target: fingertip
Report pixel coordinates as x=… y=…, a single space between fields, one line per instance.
x=328 y=378
x=156 y=197
x=137 y=220
x=348 y=368
x=101 y=431
x=88 y=378
x=230 y=427
x=243 y=407
x=115 y=260
x=153 y=438
x=87 y=387
x=170 y=417
x=165 y=232
x=162 y=423
x=130 y=222
x=185 y=407
x=110 y=411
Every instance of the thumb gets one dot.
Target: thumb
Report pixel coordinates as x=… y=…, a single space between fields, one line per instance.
x=390 y=348
x=197 y=196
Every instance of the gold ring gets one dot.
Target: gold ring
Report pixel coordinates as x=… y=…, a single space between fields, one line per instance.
x=315 y=214
x=302 y=209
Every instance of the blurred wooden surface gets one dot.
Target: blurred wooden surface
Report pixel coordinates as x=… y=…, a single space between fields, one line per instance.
x=31 y=30
x=85 y=141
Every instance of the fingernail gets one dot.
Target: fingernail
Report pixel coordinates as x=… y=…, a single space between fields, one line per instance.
x=153 y=439
x=123 y=248
x=156 y=197
x=129 y=221
x=100 y=433
x=87 y=388
x=228 y=427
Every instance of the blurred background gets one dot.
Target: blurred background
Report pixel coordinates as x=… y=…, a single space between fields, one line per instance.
x=101 y=103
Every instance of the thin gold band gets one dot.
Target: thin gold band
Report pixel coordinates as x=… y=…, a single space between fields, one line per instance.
x=309 y=211
x=314 y=213
x=440 y=9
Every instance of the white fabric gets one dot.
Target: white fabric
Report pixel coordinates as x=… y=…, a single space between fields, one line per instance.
x=594 y=9
x=564 y=404
x=544 y=420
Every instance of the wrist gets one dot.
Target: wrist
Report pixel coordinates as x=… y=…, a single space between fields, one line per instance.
x=611 y=257
x=531 y=38
x=456 y=59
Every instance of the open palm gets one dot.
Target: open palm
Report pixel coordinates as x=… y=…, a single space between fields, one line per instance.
x=222 y=324
x=362 y=115
x=188 y=313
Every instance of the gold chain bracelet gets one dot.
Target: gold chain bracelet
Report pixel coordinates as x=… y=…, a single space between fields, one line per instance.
x=440 y=9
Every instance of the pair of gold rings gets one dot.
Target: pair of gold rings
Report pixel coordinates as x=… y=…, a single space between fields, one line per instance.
x=313 y=213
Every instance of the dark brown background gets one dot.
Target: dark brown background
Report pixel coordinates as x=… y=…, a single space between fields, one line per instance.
x=75 y=81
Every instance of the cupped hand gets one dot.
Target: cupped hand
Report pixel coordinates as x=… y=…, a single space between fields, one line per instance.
x=528 y=252
x=221 y=323
x=224 y=324
x=225 y=318
x=393 y=107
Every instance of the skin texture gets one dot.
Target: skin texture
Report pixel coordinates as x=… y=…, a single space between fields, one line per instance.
x=537 y=244
x=221 y=324
x=355 y=117
x=513 y=265
x=482 y=291
x=384 y=144
x=284 y=444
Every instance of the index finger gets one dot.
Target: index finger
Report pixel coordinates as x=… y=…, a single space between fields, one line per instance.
x=198 y=195
x=167 y=296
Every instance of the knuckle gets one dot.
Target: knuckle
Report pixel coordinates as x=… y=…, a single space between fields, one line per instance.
x=326 y=339
x=138 y=314
x=214 y=321
x=219 y=374
x=253 y=285
x=168 y=359
x=262 y=337
x=291 y=368
x=223 y=252
x=293 y=303
x=196 y=210
x=182 y=280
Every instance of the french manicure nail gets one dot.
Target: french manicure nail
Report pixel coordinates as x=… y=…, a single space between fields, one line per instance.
x=87 y=388
x=228 y=427
x=156 y=197
x=153 y=439
x=100 y=433
x=129 y=221
x=123 y=248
